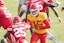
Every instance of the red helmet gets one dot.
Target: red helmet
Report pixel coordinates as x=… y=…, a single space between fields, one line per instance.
x=34 y=9
x=16 y=19
x=33 y=6
x=1 y=3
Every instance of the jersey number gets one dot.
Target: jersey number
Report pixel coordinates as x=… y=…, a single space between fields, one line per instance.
x=18 y=32
x=7 y=13
x=37 y=22
x=39 y=5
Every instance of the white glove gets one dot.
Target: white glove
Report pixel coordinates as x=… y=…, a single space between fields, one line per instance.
x=57 y=4
x=27 y=26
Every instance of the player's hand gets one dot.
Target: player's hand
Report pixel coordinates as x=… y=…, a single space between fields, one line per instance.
x=27 y=25
x=37 y=27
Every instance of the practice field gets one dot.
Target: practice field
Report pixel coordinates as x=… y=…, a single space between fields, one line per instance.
x=56 y=28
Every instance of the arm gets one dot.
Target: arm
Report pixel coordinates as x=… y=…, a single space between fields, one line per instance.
x=47 y=24
x=7 y=34
x=49 y=4
x=22 y=9
x=55 y=11
x=9 y=30
x=20 y=13
x=52 y=4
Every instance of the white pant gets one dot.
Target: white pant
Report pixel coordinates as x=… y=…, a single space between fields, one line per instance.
x=22 y=1
x=24 y=8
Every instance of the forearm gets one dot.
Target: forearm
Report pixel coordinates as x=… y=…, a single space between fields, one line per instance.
x=55 y=11
x=47 y=25
x=49 y=4
x=7 y=34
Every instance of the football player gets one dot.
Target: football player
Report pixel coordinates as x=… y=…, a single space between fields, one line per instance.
x=44 y=7
x=18 y=30
x=40 y=24
x=40 y=4
x=22 y=7
x=5 y=17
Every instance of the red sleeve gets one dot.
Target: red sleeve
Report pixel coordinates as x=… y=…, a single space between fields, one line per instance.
x=1 y=13
x=42 y=1
x=47 y=24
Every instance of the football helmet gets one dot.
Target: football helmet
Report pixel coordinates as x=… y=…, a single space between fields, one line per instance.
x=1 y=3
x=34 y=10
x=16 y=19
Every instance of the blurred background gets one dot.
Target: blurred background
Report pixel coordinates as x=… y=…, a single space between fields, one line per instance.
x=56 y=28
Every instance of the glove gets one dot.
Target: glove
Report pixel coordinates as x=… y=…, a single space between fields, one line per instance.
x=57 y=4
x=27 y=25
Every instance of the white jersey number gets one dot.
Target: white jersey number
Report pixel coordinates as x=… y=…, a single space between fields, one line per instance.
x=7 y=12
x=39 y=5
x=18 y=32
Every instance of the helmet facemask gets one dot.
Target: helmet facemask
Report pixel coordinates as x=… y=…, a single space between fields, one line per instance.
x=34 y=12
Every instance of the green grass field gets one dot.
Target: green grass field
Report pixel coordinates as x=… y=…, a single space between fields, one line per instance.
x=56 y=28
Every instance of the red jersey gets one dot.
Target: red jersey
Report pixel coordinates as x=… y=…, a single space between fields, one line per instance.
x=39 y=3
x=45 y=8
x=19 y=31
x=5 y=17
